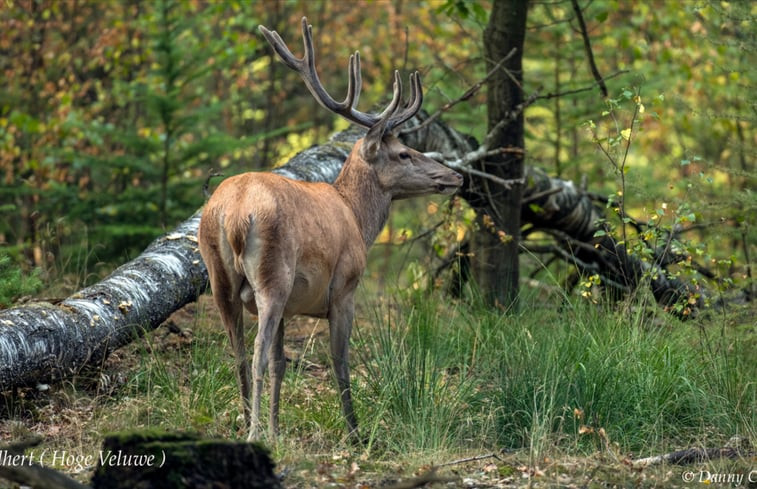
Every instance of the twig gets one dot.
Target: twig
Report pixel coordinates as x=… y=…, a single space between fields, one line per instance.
x=463 y=163
x=470 y=459
x=591 y=249
x=580 y=90
x=622 y=202
x=637 y=225
x=462 y=98
x=587 y=47
x=510 y=117
x=422 y=235
x=539 y=195
x=580 y=264
x=492 y=134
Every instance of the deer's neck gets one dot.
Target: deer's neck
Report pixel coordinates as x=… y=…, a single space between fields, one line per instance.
x=359 y=187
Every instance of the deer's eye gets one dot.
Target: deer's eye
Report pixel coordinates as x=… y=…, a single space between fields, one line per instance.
x=404 y=155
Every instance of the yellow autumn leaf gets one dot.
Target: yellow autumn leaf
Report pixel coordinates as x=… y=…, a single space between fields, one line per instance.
x=626 y=133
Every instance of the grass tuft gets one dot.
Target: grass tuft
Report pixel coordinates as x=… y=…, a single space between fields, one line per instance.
x=440 y=377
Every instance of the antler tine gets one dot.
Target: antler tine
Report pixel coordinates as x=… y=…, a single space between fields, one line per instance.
x=396 y=98
x=413 y=106
x=278 y=45
x=356 y=78
x=310 y=74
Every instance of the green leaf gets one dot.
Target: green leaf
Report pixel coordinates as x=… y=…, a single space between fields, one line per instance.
x=480 y=12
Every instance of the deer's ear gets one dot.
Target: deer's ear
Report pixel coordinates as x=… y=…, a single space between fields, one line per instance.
x=372 y=142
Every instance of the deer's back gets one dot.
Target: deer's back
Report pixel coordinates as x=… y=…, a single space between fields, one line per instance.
x=283 y=235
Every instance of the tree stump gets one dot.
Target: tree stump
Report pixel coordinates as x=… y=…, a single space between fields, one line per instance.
x=152 y=459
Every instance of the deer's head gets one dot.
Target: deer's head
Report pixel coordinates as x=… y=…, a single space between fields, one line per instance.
x=401 y=171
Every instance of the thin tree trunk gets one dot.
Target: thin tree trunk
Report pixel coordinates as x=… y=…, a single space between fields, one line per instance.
x=495 y=265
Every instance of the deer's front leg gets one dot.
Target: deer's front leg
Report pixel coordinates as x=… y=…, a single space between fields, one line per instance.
x=341 y=314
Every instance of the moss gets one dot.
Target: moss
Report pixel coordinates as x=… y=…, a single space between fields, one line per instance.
x=155 y=458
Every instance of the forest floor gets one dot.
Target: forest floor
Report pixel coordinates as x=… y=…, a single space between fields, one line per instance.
x=127 y=392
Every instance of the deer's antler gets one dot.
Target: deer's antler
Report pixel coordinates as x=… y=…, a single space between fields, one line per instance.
x=390 y=117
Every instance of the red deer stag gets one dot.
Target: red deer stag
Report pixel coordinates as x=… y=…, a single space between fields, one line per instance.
x=281 y=247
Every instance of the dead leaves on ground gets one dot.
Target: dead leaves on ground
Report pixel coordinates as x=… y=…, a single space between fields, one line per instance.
x=491 y=471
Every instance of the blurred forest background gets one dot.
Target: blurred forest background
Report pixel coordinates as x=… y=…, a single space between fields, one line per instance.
x=113 y=113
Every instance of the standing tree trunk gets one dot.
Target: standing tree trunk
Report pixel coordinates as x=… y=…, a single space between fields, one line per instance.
x=494 y=265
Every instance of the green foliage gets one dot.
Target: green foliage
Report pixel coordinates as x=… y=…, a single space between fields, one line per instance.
x=445 y=378
x=115 y=131
x=190 y=390
x=662 y=240
x=675 y=129
x=464 y=9
x=14 y=282
x=418 y=377
x=167 y=135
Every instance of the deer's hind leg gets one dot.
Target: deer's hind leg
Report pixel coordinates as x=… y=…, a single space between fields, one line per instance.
x=270 y=277
x=225 y=285
x=269 y=338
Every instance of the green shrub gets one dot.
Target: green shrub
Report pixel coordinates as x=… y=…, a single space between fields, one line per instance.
x=14 y=282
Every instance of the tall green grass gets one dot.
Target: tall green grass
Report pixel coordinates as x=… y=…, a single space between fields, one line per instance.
x=446 y=377
x=418 y=378
x=189 y=387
